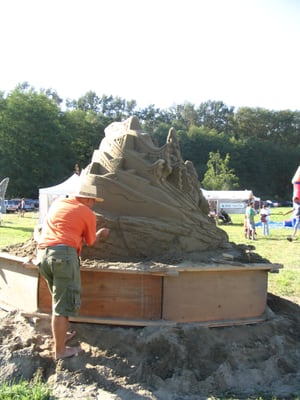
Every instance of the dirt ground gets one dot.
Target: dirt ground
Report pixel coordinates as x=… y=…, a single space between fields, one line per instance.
x=177 y=362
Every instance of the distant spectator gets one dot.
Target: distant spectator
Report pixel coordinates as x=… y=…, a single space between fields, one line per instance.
x=224 y=217
x=296 y=217
x=264 y=218
x=245 y=227
x=250 y=214
x=76 y=169
x=21 y=207
x=213 y=214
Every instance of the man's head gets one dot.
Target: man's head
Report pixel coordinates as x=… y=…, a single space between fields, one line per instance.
x=87 y=201
x=87 y=193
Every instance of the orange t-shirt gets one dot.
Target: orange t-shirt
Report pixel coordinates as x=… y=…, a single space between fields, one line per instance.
x=68 y=222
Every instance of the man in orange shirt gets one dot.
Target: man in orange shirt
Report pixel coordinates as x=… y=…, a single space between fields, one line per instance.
x=70 y=223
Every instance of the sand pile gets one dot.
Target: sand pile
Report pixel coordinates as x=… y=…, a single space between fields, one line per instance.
x=166 y=363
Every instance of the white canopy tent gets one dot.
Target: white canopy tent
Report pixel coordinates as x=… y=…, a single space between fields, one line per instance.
x=232 y=201
x=49 y=194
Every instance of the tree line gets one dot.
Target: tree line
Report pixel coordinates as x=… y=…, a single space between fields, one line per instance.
x=42 y=138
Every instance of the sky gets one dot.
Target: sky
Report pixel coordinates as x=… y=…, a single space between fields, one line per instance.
x=159 y=52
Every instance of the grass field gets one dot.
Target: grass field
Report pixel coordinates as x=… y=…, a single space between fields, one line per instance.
x=15 y=229
x=275 y=247
x=35 y=390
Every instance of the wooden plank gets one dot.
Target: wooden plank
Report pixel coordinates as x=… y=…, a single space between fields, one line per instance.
x=128 y=322
x=111 y=295
x=18 y=286
x=7 y=256
x=215 y=296
x=114 y=295
x=234 y=266
x=169 y=271
x=158 y=269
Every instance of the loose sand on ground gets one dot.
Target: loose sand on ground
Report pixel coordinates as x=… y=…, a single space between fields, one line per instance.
x=180 y=362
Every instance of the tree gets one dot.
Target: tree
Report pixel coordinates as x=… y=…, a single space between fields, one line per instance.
x=218 y=175
x=85 y=130
x=116 y=108
x=89 y=102
x=32 y=144
x=216 y=115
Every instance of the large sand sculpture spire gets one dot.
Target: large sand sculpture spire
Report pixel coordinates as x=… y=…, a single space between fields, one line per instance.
x=153 y=204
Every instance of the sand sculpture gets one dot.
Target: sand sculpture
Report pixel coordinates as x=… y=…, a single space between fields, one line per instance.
x=152 y=198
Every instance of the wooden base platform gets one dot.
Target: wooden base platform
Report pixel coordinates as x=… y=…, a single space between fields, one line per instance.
x=214 y=294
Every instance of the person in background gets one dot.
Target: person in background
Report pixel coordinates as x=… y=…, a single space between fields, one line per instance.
x=264 y=218
x=76 y=169
x=70 y=223
x=224 y=217
x=296 y=217
x=213 y=214
x=21 y=207
x=250 y=214
x=245 y=227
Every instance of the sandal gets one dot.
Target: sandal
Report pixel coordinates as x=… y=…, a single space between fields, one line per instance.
x=70 y=352
x=70 y=335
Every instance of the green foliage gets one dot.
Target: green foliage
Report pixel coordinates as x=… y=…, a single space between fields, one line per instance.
x=23 y=390
x=32 y=144
x=218 y=175
x=85 y=130
x=278 y=127
x=216 y=115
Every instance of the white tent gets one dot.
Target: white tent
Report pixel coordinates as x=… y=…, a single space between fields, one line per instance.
x=49 y=194
x=232 y=201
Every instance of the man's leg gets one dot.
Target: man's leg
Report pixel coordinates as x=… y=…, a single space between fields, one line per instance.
x=59 y=331
x=296 y=226
x=60 y=325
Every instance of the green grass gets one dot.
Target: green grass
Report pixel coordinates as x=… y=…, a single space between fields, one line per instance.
x=15 y=229
x=275 y=246
x=277 y=249
x=33 y=390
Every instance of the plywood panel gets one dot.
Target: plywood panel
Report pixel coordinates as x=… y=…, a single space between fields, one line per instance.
x=18 y=286
x=213 y=296
x=114 y=295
